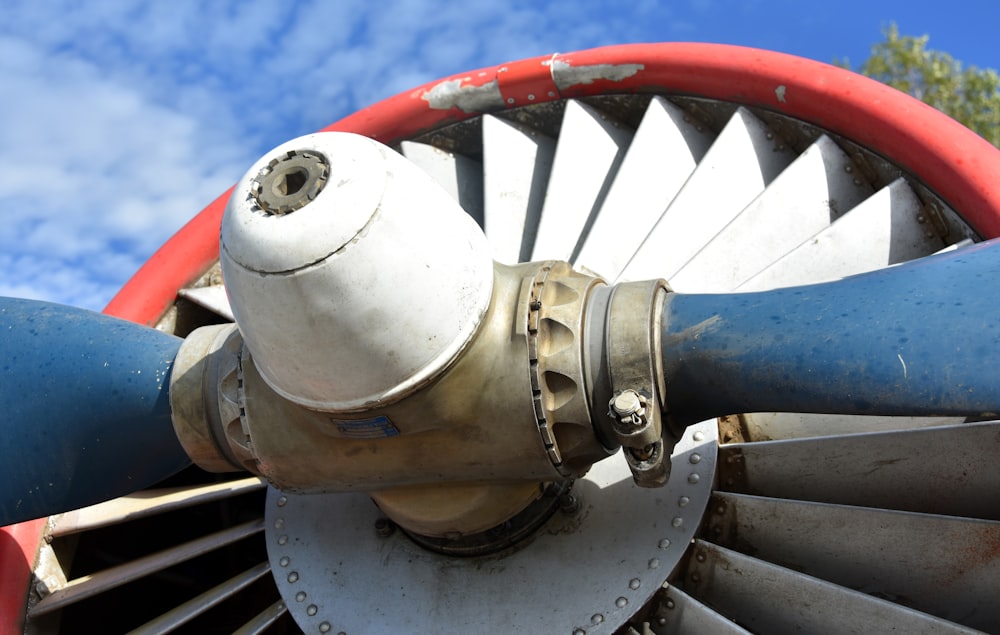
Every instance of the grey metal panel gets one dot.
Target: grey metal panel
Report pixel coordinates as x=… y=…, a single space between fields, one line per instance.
x=818 y=187
x=664 y=152
x=949 y=470
x=589 y=150
x=91 y=585
x=766 y=598
x=888 y=228
x=941 y=565
x=591 y=571
x=147 y=503
x=744 y=158
x=460 y=176
x=516 y=165
x=678 y=612
x=767 y=426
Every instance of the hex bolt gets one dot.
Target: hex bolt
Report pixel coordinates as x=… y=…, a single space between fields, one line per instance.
x=568 y=504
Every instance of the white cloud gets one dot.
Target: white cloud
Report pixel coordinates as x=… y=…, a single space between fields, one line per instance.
x=122 y=119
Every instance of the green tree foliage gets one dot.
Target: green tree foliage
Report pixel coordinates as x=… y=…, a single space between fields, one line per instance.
x=967 y=94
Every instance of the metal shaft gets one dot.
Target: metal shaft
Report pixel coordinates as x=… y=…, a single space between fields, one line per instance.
x=84 y=411
x=918 y=339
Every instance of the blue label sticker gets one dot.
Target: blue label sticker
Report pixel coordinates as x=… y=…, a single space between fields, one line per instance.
x=375 y=428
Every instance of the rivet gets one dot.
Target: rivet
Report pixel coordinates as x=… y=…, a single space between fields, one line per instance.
x=662 y=621
x=278 y=524
x=857 y=181
x=384 y=527
x=282 y=500
x=621 y=602
x=324 y=627
x=700 y=557
x=552 y=94
x=693 y=479
x=695 y=577
x=721 y=509
x=579 y=631
x=531 y=97
x=654 y=563
x=300 y=596
x=848 y=168
x=284 y=561
x=510 y=100
x=770 y=135
x=699 y=436
x=670 y=604
x=695 y=458
x=921 y=219
x=683 y=501
x=311 y=610
x=293 y=577
x=929 y=234
x=677 y=522
x=596 y=619
x=664 y=544
x=282 y=539
x=634 y=583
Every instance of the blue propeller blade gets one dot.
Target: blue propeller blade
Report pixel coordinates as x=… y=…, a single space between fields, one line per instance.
x=84 y=408
x=921 y=338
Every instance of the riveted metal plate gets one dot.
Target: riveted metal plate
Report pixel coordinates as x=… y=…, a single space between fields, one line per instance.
x=586 y=572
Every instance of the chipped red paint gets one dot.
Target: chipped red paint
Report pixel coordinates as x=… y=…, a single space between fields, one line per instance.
x=953 y=161
x=956 y=163
x=527 y=81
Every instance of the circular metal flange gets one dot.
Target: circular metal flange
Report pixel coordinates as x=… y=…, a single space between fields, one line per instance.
x=583 y=572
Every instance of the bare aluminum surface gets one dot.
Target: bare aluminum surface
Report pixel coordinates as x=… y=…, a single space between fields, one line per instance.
x=931 y=470
x=585 y=573
x=766 y=598
x=680 y=613
x=958 y=559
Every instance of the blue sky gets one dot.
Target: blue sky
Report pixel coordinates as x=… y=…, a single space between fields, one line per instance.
x=120 y=120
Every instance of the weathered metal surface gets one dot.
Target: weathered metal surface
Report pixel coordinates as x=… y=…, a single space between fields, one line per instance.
x=147 y=503
x=719 y=188
x=766 y=598
x=588 y=152
x=81 y=588
x=181 y=615
x=819 y=186
x=329 y=560
x=943 y=470
x=869 y=344
x=85 y=408
x=667 y=147
x=888 y=228
x=678 y=612
x=875 y=551
x=516 y=166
